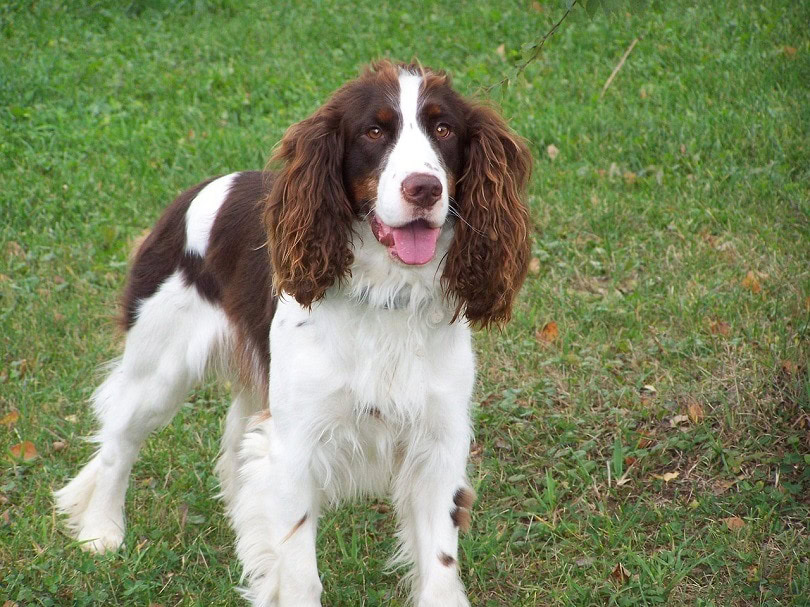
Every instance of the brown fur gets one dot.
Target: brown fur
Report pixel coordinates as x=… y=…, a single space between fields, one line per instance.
x=464 y=498
x=489 y=255
x=446 y=560
x=461 y=518
x=308 y=216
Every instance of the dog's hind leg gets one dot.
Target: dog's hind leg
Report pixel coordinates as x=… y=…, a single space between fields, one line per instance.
x=175 y=337
x=246 y=403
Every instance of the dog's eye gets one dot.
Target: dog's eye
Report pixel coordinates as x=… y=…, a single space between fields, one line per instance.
x=442 y=130
x=374 y=132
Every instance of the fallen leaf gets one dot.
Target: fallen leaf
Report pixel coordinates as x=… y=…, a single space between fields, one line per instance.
x=6 y=518
x=548 y=333
x=648 y=390
x=734 y=523
x=667 y=476
x=678 y=419
x=751 y=282
x=537 y=7
x=552 y=151
x=643 y=93
x=695 y=411
x=25 y=450
x=629 y=177
x=790 y=51
x=789 y=367
x=621 y=482
x=720 y=327
x=720 y=487
x=644 y=442
x=501 y=444
x=71 y=418
x=59 y=445
x=10 y=418
x=620 y=574
x=14 y=249
x=58 y=316
x=534 y=266
x=183 y=509
x=585 y=561
x=381 y=507
x=501 y=51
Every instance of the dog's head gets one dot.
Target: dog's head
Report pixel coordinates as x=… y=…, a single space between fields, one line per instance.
x=400 y=149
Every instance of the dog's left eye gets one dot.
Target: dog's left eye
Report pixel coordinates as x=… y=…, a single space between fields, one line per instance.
x=442 y=130
x=374 y=132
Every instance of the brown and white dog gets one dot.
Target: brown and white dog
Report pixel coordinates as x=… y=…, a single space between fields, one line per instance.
x=394 y=223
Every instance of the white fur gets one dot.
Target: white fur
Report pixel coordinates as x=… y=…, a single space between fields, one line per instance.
x=203 y=210
x=412 y=153
x=365 y=401
x=177 y=336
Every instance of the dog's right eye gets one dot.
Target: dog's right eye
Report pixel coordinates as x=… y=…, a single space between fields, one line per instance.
x=374 y=132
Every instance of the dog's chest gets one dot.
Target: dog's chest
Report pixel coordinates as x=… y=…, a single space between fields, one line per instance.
x=361 y=358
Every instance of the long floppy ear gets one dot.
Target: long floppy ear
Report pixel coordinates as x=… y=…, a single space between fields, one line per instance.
x=307 y=214
x=489 y=255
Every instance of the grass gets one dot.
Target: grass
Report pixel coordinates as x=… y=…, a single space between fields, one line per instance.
x=673 y=251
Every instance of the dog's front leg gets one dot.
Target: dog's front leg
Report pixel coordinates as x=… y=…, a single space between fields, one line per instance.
x=433 y=499
x=275 y=516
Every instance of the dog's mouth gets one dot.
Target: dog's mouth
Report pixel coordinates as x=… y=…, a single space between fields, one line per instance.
x=413 y=244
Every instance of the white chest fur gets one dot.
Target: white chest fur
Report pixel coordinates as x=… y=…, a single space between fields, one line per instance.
x=367 y=385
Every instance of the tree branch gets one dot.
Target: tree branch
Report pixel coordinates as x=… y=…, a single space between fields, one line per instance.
x=535 y=51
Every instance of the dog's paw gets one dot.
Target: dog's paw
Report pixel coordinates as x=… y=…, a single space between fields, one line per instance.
x=101 y=538
x=443 y=597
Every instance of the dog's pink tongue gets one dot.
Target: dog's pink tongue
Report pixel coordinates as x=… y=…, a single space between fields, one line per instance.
x=415 y=244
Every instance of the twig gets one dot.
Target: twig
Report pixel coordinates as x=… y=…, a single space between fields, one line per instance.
x=535 y=52
x=618 y=67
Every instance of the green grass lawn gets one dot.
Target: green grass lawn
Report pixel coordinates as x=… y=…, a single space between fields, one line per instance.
x=660 y=424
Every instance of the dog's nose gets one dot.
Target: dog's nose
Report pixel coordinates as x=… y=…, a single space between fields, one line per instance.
x=421 y=189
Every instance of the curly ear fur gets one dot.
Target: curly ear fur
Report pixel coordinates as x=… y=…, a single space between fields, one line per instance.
x=489 y=255
x=307 y=214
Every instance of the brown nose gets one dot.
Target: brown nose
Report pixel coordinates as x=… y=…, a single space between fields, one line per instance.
x=421 y=189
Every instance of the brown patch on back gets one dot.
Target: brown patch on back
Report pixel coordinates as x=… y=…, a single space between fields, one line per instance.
x=295 y=528
x=237 y=261
x=158 y=256
x=235 y=272
x=446 y=560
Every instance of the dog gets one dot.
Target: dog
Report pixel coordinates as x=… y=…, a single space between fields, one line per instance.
x=337 y=294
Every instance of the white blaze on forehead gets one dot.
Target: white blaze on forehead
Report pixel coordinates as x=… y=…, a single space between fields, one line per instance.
x=413 y=152
x=203 y=211
x=409 y=85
